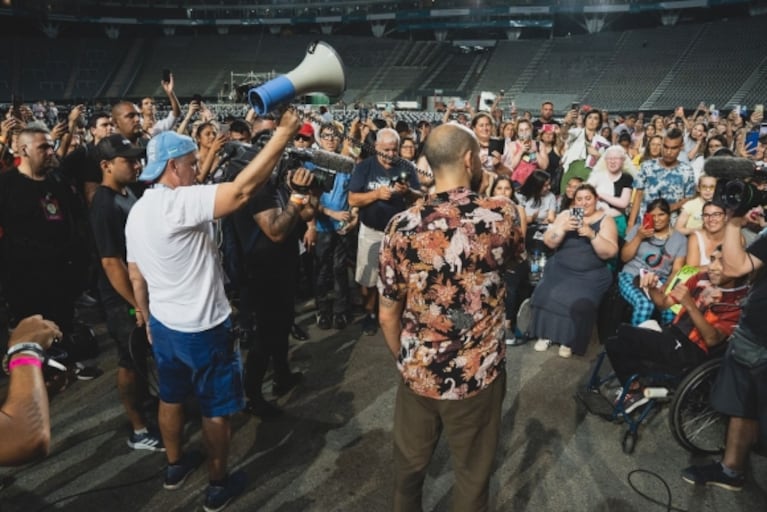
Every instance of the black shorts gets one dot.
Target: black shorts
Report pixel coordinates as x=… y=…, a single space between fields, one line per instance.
x=120 y=325
x=741 y=386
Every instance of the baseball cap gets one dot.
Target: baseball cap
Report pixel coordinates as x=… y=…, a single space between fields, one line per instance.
x=162 y=148
x=307 y=130
x=117 y=145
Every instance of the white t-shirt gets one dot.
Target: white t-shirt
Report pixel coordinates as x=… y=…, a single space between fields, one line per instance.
x=169 y=236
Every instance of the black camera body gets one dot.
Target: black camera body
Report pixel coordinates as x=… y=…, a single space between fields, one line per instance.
x=403 y=178
x=739 y=195
x=323 y=178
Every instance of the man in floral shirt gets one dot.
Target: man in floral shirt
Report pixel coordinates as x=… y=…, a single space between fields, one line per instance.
x=442 y=314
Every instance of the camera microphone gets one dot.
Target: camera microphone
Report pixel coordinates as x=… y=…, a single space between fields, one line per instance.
x=729 y=168
x=325 y=159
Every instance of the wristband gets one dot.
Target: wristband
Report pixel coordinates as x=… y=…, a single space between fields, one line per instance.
x=298 y=199
x=25 y=361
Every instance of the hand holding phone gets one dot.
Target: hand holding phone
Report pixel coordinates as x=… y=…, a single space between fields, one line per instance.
x=166 y=75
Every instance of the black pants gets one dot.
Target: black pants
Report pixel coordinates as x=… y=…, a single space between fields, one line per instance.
x=272 y=291
x=331 y=270
x=635 y=350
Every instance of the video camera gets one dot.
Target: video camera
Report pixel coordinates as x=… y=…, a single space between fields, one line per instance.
x=735 y=189
x=323 y=165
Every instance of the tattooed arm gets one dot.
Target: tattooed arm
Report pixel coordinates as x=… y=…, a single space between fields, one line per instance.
x=25 y=424
x=390 y=315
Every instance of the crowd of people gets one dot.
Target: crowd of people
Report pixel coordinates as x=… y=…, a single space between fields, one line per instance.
x=430 y=234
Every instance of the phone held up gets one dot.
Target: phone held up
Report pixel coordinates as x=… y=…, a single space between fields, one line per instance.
x=166 y=75
x=647 y=221
x=577 y=212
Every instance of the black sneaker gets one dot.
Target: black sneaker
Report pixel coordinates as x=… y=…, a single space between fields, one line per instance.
x=340 y=321
x=217 y=497
x=298 y=333
x=176 y=474
x=87 y=372
x=713 y=474
x=283 y=385
x=263 y=409
x=369 y=325
x=323 y=321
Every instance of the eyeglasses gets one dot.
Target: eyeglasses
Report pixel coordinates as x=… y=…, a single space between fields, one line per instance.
x=328 y=136
x=713 y=215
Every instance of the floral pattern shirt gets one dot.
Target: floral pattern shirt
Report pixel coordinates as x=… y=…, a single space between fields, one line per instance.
x=445 y=259
x=672 y=184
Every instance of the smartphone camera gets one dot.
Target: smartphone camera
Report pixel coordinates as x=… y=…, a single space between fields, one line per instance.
x=166 y=75
x=363 y=115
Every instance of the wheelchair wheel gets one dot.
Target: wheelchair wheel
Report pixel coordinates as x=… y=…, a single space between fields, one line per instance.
x=694 y=423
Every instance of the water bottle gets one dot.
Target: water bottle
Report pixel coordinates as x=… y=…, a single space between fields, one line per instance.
x=535 y=267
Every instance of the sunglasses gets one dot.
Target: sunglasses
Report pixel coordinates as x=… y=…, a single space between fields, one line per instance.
x=303 y=138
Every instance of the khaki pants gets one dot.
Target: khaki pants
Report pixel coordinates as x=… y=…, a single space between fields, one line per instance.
x=472 y=427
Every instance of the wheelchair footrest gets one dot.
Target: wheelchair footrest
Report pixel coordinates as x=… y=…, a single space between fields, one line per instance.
x=597 y=404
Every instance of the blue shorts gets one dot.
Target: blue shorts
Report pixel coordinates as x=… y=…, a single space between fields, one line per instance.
x=205 y=363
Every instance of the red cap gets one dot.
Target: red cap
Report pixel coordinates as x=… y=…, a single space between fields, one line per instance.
x=307 y=130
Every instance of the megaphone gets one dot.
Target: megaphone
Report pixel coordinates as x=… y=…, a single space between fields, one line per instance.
x=321 y=71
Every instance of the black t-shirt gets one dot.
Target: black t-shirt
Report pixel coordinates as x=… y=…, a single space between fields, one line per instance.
x=753 y=318
x=254 y=243
x=625 y=181
x=109 y=212
x=370 y=175
x=37 y=232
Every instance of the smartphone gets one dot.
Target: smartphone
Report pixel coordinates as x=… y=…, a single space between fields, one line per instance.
x=762 y=129
x=752 y=139
x=759 y=108
x=575 y=106
x=714 y=115
x=197 y=98
x=166 y=75
x=576 y=212
x=647 y=221
x=501 y=93
x=17 y=102
x=363 y=115
x=496 y=144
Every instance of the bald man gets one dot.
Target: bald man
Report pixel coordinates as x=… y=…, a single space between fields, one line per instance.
x=442 y=292
x=127 y=120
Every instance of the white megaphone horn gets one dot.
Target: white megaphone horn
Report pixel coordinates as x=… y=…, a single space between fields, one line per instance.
x=321 y=71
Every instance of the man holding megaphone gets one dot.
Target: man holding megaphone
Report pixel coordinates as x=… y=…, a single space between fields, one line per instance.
x=178 y=284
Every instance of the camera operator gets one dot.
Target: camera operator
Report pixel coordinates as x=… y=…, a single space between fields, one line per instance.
x=269 y=229
x=741 y=387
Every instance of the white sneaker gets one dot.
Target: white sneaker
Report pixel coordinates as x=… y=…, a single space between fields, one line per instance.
x=542 y=345
x=565 y=351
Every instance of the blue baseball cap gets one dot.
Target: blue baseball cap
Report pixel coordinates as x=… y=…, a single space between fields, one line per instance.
x=162 y=148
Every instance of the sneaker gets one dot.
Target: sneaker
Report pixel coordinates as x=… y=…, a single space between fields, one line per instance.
x=146 y=441
x=87 y=372
x=542 y=345
x=340 y=321
x=283 y=385
x=323 y=321
x=263 y=409
x=369 y=325
x=713 y=474
x=176 y=474
x=565 y=351
x=217 y=497
x=632 y=401
x=298 y=333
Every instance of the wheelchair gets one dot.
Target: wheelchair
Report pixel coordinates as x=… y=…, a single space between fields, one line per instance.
x=694 y=424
